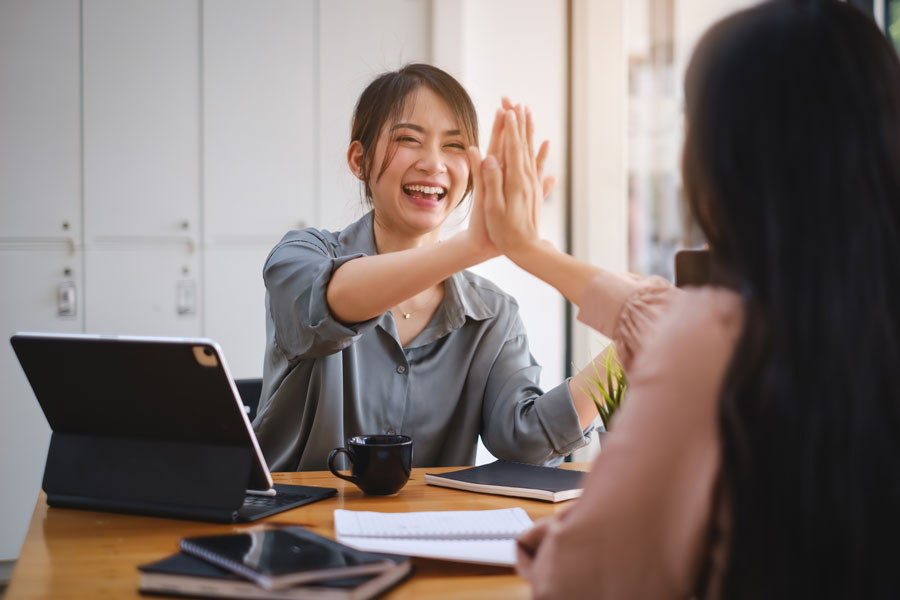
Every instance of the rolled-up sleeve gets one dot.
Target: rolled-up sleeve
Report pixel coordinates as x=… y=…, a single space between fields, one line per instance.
x=297 y=274
x=521 y=422
x=624 y=307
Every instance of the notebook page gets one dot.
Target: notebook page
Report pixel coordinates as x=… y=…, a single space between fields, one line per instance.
x=484 y=552
x=505 y=523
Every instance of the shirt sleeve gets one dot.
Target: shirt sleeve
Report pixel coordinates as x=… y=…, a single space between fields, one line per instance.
x=642 y=526
x=297 y=274
x=521 y=422
x=624 y=307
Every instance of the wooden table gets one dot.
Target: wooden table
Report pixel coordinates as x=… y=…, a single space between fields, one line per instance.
x=84 y=554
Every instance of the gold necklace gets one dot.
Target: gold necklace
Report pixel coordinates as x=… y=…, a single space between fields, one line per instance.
x=408 y=314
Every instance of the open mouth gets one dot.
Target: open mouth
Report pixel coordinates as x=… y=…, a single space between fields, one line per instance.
x=431 y=193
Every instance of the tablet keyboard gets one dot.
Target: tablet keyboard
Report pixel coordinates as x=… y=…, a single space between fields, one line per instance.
x=287 y=497
x=282 y=499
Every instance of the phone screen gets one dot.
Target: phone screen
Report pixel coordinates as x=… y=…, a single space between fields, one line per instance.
x=275 y=552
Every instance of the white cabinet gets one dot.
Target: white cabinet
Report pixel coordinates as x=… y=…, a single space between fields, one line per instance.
x=259 y=171
x=143 y=290
x=235 y=307
x=33 y=277
x=141 y=118
x=358 y=41
x=40 y=226
x=40 y=120
x=141 y=70
x=259 y=92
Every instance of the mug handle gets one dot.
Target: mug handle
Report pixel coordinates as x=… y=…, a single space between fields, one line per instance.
x=332 y=455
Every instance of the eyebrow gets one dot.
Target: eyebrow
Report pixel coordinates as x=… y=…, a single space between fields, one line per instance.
x=421 y=129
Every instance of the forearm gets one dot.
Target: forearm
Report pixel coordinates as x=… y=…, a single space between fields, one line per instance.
x=583 y=382
x=368 y=286
x=567 y=274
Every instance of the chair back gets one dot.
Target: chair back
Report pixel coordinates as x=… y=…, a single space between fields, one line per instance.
x=250 y=391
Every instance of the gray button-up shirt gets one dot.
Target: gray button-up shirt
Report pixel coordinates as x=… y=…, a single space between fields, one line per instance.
x=469 y=372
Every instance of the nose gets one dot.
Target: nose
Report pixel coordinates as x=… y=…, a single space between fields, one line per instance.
x=431 y=160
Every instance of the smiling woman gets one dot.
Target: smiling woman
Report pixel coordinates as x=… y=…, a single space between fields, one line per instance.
x=378 y=328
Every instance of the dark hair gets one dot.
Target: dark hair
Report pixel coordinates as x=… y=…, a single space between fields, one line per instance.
x=792 y=168
x=384 y=101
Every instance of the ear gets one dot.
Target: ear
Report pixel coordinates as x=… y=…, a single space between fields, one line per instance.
x=354 y=158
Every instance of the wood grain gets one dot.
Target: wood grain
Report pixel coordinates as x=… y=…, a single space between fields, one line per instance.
x=71 y=554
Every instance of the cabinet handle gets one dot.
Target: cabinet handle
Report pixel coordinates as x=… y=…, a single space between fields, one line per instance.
x=185 y=298
x=66 y=300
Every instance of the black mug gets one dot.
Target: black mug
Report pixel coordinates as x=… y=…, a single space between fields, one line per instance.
x=379 y=464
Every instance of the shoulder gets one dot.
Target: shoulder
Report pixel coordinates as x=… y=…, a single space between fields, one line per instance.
x=495 y=300
x=318 y=240
x=719 y=309
x=696 y=335
x=355 y=239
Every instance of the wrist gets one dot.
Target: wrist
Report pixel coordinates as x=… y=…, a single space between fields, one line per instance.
x=528 y=255
x=469 y=250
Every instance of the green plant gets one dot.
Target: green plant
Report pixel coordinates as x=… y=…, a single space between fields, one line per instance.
x=607 y=390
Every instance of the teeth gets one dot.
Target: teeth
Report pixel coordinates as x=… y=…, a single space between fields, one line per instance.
x=424 y=189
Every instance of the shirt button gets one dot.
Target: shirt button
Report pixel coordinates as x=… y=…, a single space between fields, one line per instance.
x=401 y=369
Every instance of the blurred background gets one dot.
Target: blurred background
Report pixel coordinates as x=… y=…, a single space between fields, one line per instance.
x=153 y=151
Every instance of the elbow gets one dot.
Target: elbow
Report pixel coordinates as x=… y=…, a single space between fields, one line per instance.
x=333 y=294
x=516 y=448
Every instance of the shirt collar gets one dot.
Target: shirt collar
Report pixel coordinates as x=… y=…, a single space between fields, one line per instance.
x=461 y=301
x=359 y=237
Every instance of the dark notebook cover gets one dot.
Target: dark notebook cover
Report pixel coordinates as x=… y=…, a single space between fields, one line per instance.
x=185 y=575
x=513 y=479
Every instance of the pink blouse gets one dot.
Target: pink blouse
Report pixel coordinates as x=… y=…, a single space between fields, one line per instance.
x=648 y=524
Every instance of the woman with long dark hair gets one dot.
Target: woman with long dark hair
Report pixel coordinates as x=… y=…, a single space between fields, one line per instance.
x=757 y=453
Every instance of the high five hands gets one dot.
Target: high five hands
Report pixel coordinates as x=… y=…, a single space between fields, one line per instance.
x=510 y=186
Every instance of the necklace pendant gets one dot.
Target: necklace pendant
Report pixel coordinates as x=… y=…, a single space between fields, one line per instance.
x=407 y=315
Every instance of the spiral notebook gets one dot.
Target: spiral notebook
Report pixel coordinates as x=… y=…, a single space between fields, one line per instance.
x=474 y=536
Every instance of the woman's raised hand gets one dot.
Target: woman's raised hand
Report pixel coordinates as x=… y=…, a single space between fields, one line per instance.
x=513 y=190
x=477 y=229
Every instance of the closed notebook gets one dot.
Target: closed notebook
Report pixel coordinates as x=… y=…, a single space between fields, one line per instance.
x=476 y=536
x=283 y=557
x=185 y=575
x=513 y=479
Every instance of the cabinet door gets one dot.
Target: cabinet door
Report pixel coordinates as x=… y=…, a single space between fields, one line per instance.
x=141 y=118
x=359 y=40
x=258 y=117
x=143 y=290
x=235 y=313
x=32 y=280
x=40 y=174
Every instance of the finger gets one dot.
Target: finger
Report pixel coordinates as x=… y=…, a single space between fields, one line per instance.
x=475 y=169
x=541 y=159
x=507 y=103
x=512 y=142
x=494 y=201
x=524 y=560
x=496 y=141
x=548 y=184
x=529 y=146
x=520 y=115
x=529 y=130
